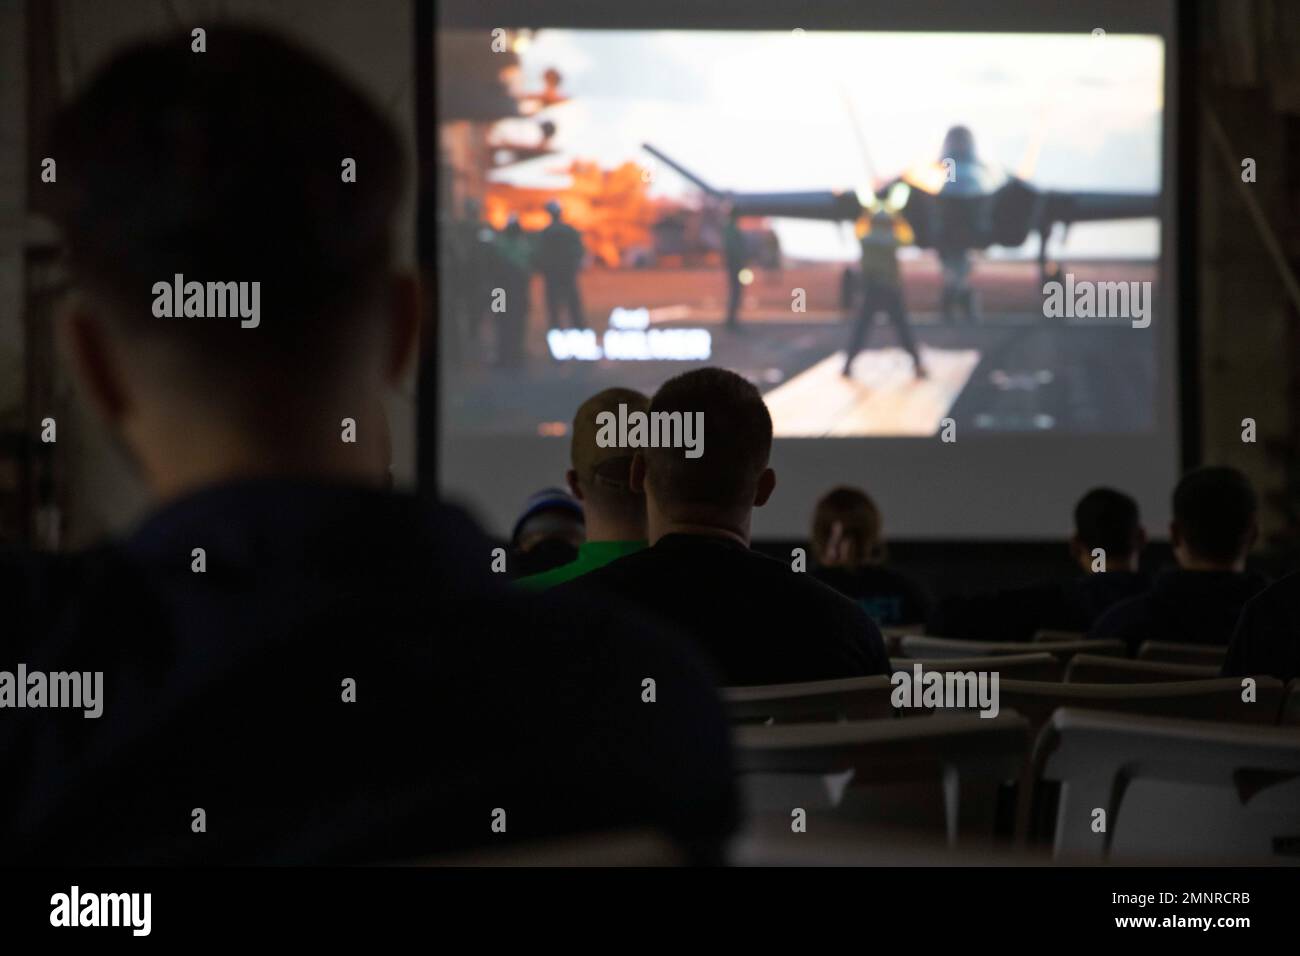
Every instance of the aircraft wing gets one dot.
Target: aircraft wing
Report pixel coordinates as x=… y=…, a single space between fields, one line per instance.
x=1071 y=207
x=823 y=204
x=818 y=204
x=1019 y=205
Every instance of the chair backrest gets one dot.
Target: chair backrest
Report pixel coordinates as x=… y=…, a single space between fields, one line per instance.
x=1040 y=666
x=1050 y=636
x=1090 y=669
x=1204 y=654
x=610 y=848
x=943 y=772
x=946 y=647
x=1150 y=789
x=850 y=698
x=1291 y=706
x=1217 y=699
x=900 y=630
x=893 y=636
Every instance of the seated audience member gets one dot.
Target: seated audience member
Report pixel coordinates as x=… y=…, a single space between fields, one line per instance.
x=757 y=619
x=1212 y=531
x=297 y=665
x=1107 y=543
x=547 y=534
x=614 y=514
x=849 y=550
x=1266 y=640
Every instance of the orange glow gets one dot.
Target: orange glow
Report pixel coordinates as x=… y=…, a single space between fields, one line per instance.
x=903 y=233
x=610 y=208
x=927 y=177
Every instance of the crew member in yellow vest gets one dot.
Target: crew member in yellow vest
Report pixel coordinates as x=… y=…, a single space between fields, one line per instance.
x=881 y=288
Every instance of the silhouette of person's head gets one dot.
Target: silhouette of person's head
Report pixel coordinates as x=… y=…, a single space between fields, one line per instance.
x=198 y=188
x=846 y=529
x=717 y=491
x=599 y=476
x=1214 y=524
x=1107 y=519
x=547 y=533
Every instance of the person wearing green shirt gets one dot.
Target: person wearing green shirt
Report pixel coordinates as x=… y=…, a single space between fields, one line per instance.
x=598 y=477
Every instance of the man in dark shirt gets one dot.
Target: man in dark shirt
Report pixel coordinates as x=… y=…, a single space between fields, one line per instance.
x=1105 y=548
x=1212 y=531
x=297 y=666
x=1266 y=642
x=560 y=252
x=758 y=620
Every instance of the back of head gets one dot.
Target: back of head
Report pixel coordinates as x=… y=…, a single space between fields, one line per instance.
x=602 y=471
x=1108 y=519
x=736 y=435
x=846 y=529
x=1214 y=509
x=222 y=167
x=549 y=514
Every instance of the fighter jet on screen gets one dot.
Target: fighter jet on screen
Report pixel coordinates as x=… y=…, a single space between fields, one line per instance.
x=953 y=206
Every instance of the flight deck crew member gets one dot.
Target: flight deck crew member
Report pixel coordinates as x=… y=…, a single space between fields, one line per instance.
x=559 y=257
x=513 y=260
x=881 y=291
x=734 y=257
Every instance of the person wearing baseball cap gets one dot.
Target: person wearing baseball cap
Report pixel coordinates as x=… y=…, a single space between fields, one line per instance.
x=614 y=513
x=547 y=534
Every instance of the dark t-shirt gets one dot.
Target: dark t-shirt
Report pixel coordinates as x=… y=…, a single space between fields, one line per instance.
x=1266 y=641
x=1072 y=604
x=226 y=691
x=559 y=249
x=890 y=599
x=757 y=620
x=1185 y=607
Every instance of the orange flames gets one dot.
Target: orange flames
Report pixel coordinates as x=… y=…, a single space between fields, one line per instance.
x=611 y=208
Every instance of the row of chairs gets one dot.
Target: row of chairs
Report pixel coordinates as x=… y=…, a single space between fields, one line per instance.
x=1062 y=645
x=867 y=698
x=1091 y=766
x=1094 y=786
x=1079 y=669
x=1208 y=655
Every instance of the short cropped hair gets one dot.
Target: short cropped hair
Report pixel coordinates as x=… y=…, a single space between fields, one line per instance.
x=737 y=441
x=1107 y=519
x=227 y=166
x=1215 y=509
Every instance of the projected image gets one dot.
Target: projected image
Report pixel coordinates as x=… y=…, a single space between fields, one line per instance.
x=881 y=231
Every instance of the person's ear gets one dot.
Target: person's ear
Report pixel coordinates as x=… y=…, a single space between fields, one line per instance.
x=1252 y=535
x=1076 y=549
x=1175 y=534
x=85 y=342
x=636 y=474
x=766 y=485
x=571 y=479
x=404 y=326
